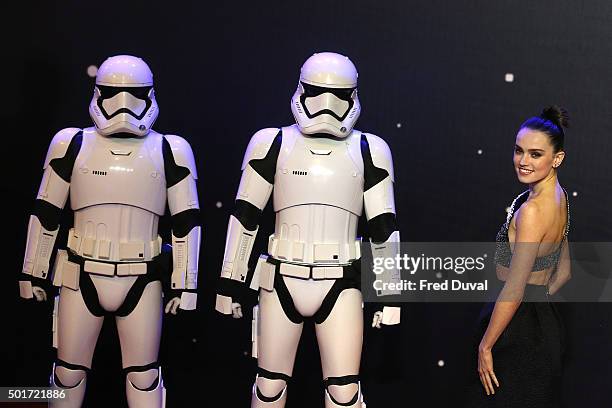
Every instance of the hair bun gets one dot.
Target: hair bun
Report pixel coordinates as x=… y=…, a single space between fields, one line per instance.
x=556 y=115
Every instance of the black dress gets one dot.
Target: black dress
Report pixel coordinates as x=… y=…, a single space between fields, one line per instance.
x=527 y=355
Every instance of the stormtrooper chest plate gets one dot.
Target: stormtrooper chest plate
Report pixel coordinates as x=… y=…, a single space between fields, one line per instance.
x=319 y=171
x=126 y=171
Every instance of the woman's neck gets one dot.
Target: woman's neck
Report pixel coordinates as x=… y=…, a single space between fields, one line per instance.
x=550 y=182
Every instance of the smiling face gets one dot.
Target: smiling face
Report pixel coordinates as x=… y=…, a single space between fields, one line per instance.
x=534 y=156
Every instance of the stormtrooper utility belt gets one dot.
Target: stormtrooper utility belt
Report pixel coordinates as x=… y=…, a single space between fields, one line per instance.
x=68 y=267
x=69 y=272
x=267 y=267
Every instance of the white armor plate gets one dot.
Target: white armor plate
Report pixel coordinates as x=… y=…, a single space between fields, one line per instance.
x=318 y=197
x=135 y=164
x=109 y=231
x=313 y=170
x=315 y=233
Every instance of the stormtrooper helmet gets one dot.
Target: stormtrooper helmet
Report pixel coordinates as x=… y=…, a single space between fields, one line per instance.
x=326 y=97
x=124 y=99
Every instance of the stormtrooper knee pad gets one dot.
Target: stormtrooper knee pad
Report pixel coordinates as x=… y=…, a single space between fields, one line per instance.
x=71 y=379
x=270 y=389
x=144 y=386
x=343 y=392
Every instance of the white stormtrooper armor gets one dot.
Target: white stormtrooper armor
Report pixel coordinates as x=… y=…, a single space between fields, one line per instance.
x=322 y=173
x=119 y=175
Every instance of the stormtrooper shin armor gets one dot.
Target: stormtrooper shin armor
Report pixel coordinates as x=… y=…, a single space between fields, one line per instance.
x=118 y=175
x=321 y=173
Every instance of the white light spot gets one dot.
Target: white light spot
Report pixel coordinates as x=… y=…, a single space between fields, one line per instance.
x=479 y=151
x=92 y=70
x=318 y=170
x=219 y=204
x=507 y=210
x=194 y=340
x=440 y=363
x=122 y=169
x=399 y=125
x=438 y=275
x=509 y=77
x=575 y=194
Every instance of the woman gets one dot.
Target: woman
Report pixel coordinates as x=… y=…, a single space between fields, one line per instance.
x=519 y=355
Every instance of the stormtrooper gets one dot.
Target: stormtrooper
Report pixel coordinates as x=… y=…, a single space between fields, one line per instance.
x=322 y=174
x=119 y=175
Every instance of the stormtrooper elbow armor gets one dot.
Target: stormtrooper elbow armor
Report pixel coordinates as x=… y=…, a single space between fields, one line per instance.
x=379 y=205
x=181 y=176
x=253 y=194
x=50 y=200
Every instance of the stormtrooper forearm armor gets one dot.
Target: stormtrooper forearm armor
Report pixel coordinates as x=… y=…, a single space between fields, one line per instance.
x=181 y=176
x=379 y=204
x=258 y=170
x=51 y=198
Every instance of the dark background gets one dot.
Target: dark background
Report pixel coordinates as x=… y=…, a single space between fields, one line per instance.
x=431 y=84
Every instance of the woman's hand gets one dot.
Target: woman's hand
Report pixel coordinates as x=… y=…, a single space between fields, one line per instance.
x=485 y=369
x=173 y=305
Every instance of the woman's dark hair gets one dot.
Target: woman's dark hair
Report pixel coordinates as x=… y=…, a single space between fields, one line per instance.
x=551 y=121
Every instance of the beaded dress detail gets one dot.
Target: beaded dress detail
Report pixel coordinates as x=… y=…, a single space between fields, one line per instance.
x=503 y=253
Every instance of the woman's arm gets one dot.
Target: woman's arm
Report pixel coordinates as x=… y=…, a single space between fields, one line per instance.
x=529 y=234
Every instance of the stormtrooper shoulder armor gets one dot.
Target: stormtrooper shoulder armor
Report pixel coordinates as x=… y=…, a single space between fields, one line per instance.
x=182 y=153
x=259 y=145
x=59 y=144
x=380 y=153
